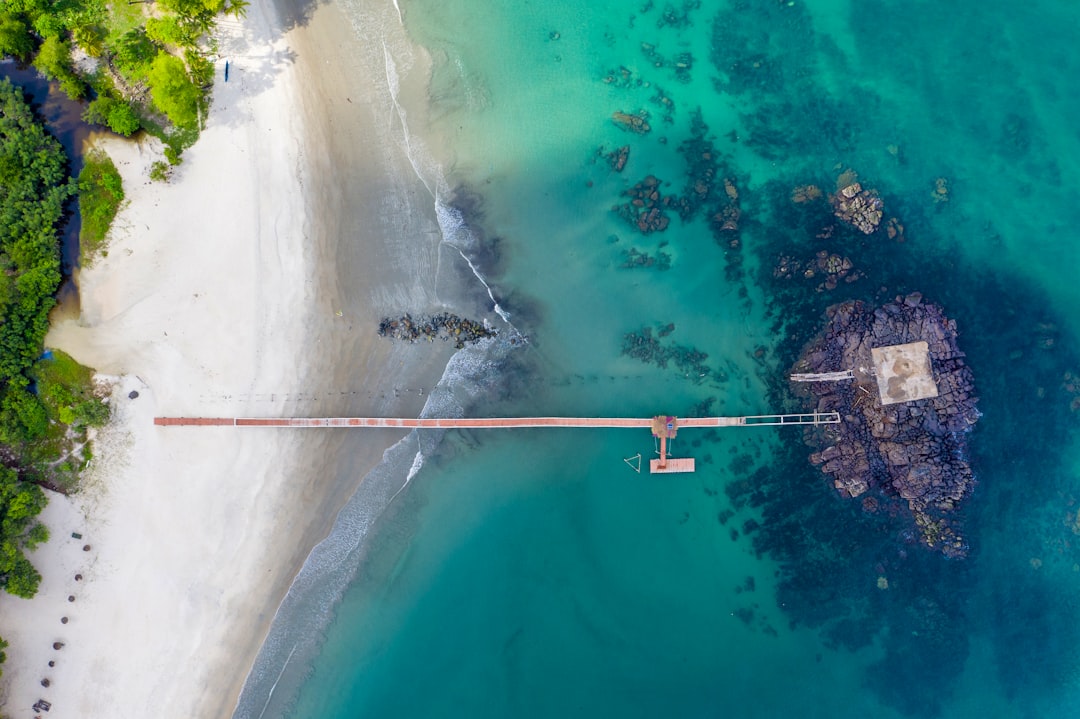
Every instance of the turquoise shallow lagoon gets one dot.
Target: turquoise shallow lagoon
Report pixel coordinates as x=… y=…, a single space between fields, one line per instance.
x=532 y=573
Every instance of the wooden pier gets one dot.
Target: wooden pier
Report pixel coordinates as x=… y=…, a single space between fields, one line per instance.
x=664 y=427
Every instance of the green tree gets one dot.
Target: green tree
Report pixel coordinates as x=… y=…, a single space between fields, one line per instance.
x=20 y=503
x=100 y=193
x=173 y=92
x=117 y=115
x=54 y=62
x=90 y=38
x=38 y=534
x=134 y=54
x=15 y=38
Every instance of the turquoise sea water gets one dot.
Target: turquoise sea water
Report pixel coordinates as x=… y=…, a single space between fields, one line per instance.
x=533 y=574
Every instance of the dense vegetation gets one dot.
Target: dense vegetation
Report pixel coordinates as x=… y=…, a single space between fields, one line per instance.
x=100 y=194
x=33 y=189
x=47 y=400
x=138 y=71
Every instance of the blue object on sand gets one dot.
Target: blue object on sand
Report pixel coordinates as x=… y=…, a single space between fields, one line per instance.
x=226 y=71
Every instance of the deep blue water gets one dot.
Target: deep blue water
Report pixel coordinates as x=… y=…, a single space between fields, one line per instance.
x=532 y=573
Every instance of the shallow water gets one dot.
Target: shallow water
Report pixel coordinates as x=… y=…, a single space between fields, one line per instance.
x=533 y=573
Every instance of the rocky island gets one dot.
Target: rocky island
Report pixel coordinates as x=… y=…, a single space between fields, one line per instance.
x=904 y=415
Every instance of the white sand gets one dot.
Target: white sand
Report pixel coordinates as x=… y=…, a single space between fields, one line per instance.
x=216 y=291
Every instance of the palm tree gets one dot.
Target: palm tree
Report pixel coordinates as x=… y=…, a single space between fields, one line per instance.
x=237 y=8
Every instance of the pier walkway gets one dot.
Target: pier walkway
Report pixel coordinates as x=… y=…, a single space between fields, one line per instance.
x=664 y=427
x=494 y=422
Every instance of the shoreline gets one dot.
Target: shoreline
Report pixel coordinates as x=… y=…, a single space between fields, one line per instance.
x=252 y=282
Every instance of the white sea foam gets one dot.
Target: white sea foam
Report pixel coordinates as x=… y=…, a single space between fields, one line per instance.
x=456 y=234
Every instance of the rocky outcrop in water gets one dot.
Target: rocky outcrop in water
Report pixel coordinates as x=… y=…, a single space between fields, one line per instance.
x=912 y=451
x=645 y=210
x=617 y=158
x=444 y=326
x=857 y=206
x=636 y=123
x=832 y=267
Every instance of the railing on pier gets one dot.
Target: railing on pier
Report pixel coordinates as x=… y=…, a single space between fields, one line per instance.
x=810 y=418
x=823 y=376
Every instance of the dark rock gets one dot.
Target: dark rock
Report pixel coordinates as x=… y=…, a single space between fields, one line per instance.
x=133 y=394
x=443 y=326
x=617 y=158
x=645 y=210
x=857 y=206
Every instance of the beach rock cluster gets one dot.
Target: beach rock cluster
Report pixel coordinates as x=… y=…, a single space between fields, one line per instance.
x=646 y=207
x=635 y=258
x=636 y=123
x=444 y=326
x=911 y=451
x=644 y=346
x=857 y=206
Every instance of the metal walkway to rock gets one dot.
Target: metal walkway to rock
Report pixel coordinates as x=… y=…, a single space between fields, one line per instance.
x=664 y=427
x=824 y=376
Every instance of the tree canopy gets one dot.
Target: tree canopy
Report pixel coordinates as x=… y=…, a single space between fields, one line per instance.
x=174 y=92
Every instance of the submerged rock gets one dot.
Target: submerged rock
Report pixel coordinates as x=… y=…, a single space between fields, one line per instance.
x=913 y=451
x=645 y=210
x=635 y=258
x=637 y=124
x=643 y=346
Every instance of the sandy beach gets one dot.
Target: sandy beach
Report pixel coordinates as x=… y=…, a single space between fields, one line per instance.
x=251 y=285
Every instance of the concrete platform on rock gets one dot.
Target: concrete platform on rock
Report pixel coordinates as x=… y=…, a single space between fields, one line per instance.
x=904 y=373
